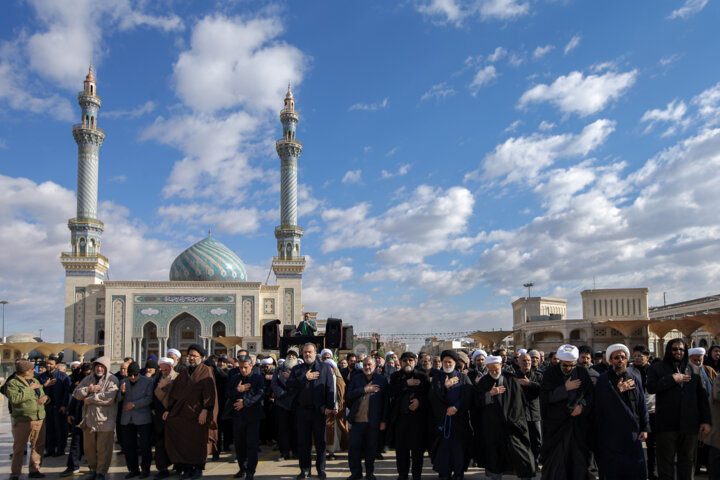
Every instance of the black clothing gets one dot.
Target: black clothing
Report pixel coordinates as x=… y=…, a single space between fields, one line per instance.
x=131 y=448
x=407 y=429
x=450 y=445
x=565 y=449
x=505 y=427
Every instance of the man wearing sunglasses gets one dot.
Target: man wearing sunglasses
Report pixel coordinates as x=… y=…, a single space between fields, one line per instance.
x=682 y=410
x=621 y=419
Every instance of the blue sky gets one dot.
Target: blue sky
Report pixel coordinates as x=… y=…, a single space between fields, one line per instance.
x=453 y=150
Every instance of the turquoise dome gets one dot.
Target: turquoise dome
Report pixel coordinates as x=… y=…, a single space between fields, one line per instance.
x=206 y=261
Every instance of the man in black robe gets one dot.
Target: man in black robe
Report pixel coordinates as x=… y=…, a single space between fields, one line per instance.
x=621 y=420
x=566 y=396
x=505 y=431
x=530 y=381
x=478 y=371
x=245 y=391
x=408 y=415
x=450 y=398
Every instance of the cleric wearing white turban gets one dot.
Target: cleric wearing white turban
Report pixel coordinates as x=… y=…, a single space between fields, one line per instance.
x=614 y=348
x=568 y=353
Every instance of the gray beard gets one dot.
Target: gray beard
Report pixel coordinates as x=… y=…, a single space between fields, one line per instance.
x=495 y=377
x=289 y=364
x=308 y=361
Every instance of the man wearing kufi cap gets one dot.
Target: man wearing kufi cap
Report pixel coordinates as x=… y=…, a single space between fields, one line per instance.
x=161 y=387
x=566 y=397
x=409 y=407
x=450 y=398
x=191 y=418
x=175 y=355
x=505 y=430
x=621 y=419
x=477 y=371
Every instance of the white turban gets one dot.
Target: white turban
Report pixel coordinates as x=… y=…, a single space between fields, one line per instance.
x=696 y=351
x=614 y=348
x=568 y=353
x=522 y=351
x=266 y=361
x=166 y=361
x=389 y=353
x=281 y=361
x=493 y=359
x=326 y=350
x=476 y=353
x=175 y=352
x=72 y=364
x=331 y=362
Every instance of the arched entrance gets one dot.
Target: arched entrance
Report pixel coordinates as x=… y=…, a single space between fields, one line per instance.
x=184 y=331
x=218 y=330
x=150 y=343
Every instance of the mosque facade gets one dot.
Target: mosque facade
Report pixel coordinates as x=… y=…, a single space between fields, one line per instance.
x=207 y=294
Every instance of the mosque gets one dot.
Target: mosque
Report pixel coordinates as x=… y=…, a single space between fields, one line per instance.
x=208 y=293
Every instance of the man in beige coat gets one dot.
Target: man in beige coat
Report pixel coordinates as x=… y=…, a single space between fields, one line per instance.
x=98 y=391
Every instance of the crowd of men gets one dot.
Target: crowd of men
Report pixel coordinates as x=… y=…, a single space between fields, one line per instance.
x=577 y=414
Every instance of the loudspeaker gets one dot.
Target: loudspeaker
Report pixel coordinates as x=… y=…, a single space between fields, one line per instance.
x=288 y=330
x=271 y=335
x=347 y=338
x=333 y=333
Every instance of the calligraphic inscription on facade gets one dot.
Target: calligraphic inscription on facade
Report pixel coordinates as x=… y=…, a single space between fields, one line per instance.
x=100 y=306
x=79 y=330
x=118 y=315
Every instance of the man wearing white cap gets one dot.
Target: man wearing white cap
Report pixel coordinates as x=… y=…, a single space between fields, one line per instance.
x=175 y=355
x=505 y=430
x=621 y=419
x=566 y=396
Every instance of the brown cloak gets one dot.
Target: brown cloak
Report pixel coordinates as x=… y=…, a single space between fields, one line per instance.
x=186 y=441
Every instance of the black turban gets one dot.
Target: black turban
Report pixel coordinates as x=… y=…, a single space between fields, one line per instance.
x=449 y=353
x=198 y=348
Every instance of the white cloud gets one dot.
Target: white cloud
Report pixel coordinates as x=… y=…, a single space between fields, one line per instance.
x=580 y=94
x=203 y=216
x=236 y=62
x=402 y=170
x=483 y=77
x=689 y=8
x=541 y=51
x=136 y=112
x=546 y=126
x=370 y=106
x=14 y=91
x=342 y=231
x=513 y=126
x=392 y=151
x=499 y=53
x=439 y=91
x=522 y=159
x=215 y=149
x=665 y=61
x=572 y=44
x=708 y=105
x=456 y=11
x=352 y=176
x=674 y=114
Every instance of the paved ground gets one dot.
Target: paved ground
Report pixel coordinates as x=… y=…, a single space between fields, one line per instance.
x=270 y=467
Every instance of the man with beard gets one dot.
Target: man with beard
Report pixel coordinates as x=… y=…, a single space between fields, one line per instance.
x=74 y=418
x=351 y=366
x=267 y=426
x=246 y=391
x=408 y=416
x=191 y=416
x=450 y=399
x=505 y=431
x=175 y=355
x=368 y=393
x=313 y=384
x=681 y=410
x=566 y=396
x=530 y=381
x=621 y=419
x=536 y=360
x=161 y=387
x=713 y=357
x=285 y=411
x=57 y=387
x=478 y=371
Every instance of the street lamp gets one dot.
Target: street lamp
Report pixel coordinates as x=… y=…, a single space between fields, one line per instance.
x=3 y=303
x=528 y=285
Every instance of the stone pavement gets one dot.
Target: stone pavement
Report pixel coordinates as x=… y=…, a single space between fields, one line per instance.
x=270 y=466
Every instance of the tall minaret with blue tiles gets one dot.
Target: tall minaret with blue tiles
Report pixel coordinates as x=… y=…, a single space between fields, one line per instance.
x=289 y=265
x=84 y=265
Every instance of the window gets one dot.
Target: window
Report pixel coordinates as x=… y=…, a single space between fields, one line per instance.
x=594 y=308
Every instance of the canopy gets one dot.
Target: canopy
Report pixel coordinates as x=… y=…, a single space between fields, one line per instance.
x=490 y=338
x=229 y=342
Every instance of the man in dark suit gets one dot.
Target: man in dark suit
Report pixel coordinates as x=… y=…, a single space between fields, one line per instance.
x=368 y=394
x=245 y=392
x=313 y=383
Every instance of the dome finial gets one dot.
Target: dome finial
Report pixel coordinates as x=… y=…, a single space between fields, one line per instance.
x=209 y=232
x=289 y=92
x=90 y=77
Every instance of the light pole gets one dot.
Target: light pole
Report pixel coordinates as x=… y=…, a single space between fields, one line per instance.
x=3 y=303
x=528 y=285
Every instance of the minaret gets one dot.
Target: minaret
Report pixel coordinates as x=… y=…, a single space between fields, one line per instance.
x=288 y=265
x=83 y=264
